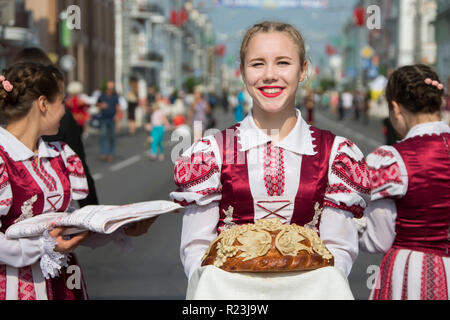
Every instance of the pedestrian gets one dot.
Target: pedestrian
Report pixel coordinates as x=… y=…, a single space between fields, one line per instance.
x=69 y=131
x=224 y=100
x=38 y=177
x=366 y=107
x=159 y=123
x=198 y=113
x=310 y=105
x=340 y=106
x=347 y=103
x=283 y=159
x=108 y=103
x=151 y=98
x=408 y=218
x=132 y=101
x=238 y=109
x=77 y=106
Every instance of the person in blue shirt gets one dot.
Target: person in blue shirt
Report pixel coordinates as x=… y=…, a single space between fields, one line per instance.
x=239 y=109
x=108 y=103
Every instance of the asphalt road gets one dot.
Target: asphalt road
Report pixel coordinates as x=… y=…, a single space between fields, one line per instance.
x=152 y=270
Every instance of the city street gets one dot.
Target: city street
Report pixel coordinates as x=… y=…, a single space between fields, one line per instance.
x=152 y=270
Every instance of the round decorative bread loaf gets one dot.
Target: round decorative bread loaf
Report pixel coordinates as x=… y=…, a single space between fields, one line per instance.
x=268 y=246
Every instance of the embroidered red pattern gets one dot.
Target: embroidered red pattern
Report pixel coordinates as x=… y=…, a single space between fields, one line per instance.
x=51 y=185
x=274 y=170
x=338 y=188
x=6 y=202
x=405 y=279
x=209 y=191
x=352 y=172
x=385 y=175
x=4 y=178
x=356 y=210
x=75 y=166
x=346 y=143
x=433 y=279
x=386 y=270
x=190 y=171
x=2 y=282
x=26 y=285
x=383 y=153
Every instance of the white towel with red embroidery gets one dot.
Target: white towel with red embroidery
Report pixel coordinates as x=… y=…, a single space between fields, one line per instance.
x=100 y=219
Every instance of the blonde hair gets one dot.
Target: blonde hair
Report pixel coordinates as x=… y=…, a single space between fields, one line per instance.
x=273 y=26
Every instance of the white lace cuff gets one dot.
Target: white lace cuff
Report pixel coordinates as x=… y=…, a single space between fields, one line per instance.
x=51 y=261
x=361 y=225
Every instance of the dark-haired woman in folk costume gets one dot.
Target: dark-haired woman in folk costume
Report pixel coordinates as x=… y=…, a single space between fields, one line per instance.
x=38 y=177
x=409 y=216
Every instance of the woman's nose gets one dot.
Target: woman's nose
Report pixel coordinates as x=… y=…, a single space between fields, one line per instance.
x=270 y=73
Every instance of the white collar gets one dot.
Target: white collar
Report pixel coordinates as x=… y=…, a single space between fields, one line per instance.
x=436 y=127
x=19 y=152
x=299 y=140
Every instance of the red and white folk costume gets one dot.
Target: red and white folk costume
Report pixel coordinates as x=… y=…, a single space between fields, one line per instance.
x=252 y=178
x=409 y=216
x=31 y=185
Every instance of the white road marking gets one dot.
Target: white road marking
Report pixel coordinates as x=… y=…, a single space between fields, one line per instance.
x=125 y=163
x=97 y=176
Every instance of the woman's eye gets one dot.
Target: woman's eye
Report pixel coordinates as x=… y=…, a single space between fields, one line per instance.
x=257 y=64
x=283 y=62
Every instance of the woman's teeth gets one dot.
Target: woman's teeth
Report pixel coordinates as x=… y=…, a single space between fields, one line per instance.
x=271 y=90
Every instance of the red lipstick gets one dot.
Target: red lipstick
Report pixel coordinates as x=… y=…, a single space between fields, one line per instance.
x=271 y=95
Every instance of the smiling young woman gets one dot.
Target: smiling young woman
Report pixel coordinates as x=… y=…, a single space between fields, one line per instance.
x=294 y=172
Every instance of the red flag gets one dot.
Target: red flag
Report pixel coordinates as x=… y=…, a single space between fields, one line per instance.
x=330 y=50
x=220 y=50
x=359 y=15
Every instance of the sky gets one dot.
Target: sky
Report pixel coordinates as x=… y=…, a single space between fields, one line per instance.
x=318 y=26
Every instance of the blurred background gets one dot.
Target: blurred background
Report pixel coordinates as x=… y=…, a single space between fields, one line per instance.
x=158 y=53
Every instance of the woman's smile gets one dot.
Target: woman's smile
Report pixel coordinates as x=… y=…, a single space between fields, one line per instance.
x=271 y=91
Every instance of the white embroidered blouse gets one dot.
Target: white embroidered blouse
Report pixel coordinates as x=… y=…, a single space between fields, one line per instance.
x=274 y=172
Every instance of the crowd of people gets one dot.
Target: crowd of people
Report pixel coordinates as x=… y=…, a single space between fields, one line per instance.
x=394 y=201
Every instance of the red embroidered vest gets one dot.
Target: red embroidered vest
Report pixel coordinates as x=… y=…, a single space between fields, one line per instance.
x=235 y=181
x=24 y=187
x=423 y=214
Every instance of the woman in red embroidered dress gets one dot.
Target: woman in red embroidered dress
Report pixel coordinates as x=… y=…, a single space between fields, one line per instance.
x=35 y=178
x=409 y=216
x=272 y=164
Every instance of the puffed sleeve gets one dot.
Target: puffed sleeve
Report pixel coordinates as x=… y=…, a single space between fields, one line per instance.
x=389 y=180
x=77 y=176
x=348 y=178
x=5 y=191
x=197 y=174
x=387 y=173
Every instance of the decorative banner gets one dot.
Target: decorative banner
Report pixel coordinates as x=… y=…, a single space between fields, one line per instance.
x=359 y=15
x=316 y=4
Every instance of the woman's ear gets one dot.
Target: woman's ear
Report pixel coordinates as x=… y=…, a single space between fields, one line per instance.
x=42 y=104
x=396 y=109
x=304 y=71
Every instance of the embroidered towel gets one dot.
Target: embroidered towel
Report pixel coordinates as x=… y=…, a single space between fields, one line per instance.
x=100 y=218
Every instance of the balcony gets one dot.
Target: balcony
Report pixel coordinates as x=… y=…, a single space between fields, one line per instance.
x=151 y=60
x=152 y=12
